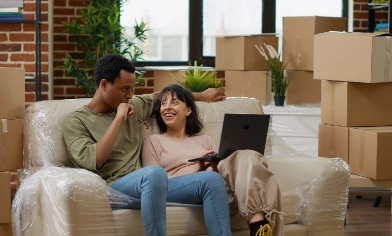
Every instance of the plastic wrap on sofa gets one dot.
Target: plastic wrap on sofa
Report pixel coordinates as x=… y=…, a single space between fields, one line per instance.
x=46 y=202
x=56 y=199
x=323 y=199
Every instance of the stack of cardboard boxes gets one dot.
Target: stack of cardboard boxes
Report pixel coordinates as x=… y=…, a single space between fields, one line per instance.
x=298 y=42
x=12 y=109
x=356 y=108
x=245 y=68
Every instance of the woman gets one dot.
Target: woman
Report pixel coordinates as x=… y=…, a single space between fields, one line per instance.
x=249 y=185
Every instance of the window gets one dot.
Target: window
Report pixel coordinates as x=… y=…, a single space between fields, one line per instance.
x=168 y=21
x=229 y=17
x=182 y=31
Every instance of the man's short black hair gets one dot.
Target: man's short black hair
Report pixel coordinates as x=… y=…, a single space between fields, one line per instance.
x=108 y=67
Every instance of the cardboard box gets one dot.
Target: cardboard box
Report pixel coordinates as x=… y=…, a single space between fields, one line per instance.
x=370 y=152
x=6 y=229
x=353 y=57
x=253 y=84
x=11 y=144
x=5 y=197
x=298 y=38
x=356 y=104
x=303 y=88
x=162 y=78
x=240 y=53
x=333 y=141
x=12 y=93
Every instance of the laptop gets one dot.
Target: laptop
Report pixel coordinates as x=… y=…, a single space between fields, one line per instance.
x=240 y=132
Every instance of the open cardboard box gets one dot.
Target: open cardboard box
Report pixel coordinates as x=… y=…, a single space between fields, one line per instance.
x=240 y=53
x=298 y=38
x=353 y=57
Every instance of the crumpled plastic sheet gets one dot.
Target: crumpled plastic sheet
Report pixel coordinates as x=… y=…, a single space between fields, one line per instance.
x=46 y=200
x=319 y=203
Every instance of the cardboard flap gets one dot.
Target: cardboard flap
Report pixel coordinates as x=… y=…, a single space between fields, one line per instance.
x=247 y=35
x=383 y=35
x=5 y=197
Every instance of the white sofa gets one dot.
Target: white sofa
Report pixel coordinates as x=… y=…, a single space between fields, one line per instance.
x=55 y=199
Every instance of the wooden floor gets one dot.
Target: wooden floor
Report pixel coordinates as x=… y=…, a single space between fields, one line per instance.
x=364 y=219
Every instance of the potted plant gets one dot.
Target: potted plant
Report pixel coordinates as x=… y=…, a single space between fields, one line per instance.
x=277 y=73
x=196 y=81
x=99 y=34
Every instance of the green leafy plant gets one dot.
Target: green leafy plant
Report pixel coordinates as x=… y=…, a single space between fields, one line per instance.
x=99 y=33
x=197 y=81
x=277 y=70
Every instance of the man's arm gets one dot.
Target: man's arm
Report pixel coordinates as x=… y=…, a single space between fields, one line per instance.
x=208 y=95
x=106 y=143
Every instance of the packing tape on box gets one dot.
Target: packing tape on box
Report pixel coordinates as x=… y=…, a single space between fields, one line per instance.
x=362 y=152
x=3 y=146
x=298 y=50
x=246 y=85
x=332 y=103
x=387 y=60
x=4 y=125
x=332 y=142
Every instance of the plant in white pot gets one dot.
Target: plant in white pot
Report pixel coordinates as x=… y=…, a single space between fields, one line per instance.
x=277 y=73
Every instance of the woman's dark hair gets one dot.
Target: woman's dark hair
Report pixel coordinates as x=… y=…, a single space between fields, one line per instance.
x=108 y=67
x=193 y=122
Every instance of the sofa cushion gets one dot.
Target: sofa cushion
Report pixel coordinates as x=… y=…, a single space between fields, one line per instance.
x=180 y=221
x=290 y=202
x=43 y=125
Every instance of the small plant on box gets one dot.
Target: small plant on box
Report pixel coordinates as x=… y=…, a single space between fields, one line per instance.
x=277 y=72
x=197 y=81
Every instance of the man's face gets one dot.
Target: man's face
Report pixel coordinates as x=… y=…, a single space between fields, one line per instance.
x=120 y=91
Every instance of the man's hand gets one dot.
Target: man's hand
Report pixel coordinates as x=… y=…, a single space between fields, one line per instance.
x=106 y=143
x=210 y=95
x=125 y=111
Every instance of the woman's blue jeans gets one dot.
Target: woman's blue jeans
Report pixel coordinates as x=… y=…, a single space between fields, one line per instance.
x=151 y=186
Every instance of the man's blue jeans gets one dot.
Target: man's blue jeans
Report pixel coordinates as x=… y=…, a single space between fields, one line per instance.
x=151 y=186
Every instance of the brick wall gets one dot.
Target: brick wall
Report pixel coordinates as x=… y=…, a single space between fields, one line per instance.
x=361 y=16
x=64 y=87
x=64 y=10
x=17 y=47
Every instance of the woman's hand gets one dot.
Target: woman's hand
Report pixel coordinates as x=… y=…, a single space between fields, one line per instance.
x=210 y=95
x=216 y=161
x=208 y=152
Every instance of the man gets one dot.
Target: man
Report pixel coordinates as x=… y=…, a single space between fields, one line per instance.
x=102 y=138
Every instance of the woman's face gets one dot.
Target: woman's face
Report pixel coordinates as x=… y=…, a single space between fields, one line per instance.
x=174 y=111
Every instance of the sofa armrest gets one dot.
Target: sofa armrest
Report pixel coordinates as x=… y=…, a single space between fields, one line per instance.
x=63 y=201
x=322 y=186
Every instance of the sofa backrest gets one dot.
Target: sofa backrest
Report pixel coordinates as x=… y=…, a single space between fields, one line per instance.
x=43 y=139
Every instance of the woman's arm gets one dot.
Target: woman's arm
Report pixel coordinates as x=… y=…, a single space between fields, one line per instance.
x=208 y=95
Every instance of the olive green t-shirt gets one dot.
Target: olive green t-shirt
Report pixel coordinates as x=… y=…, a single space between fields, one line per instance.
x=82 y=129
